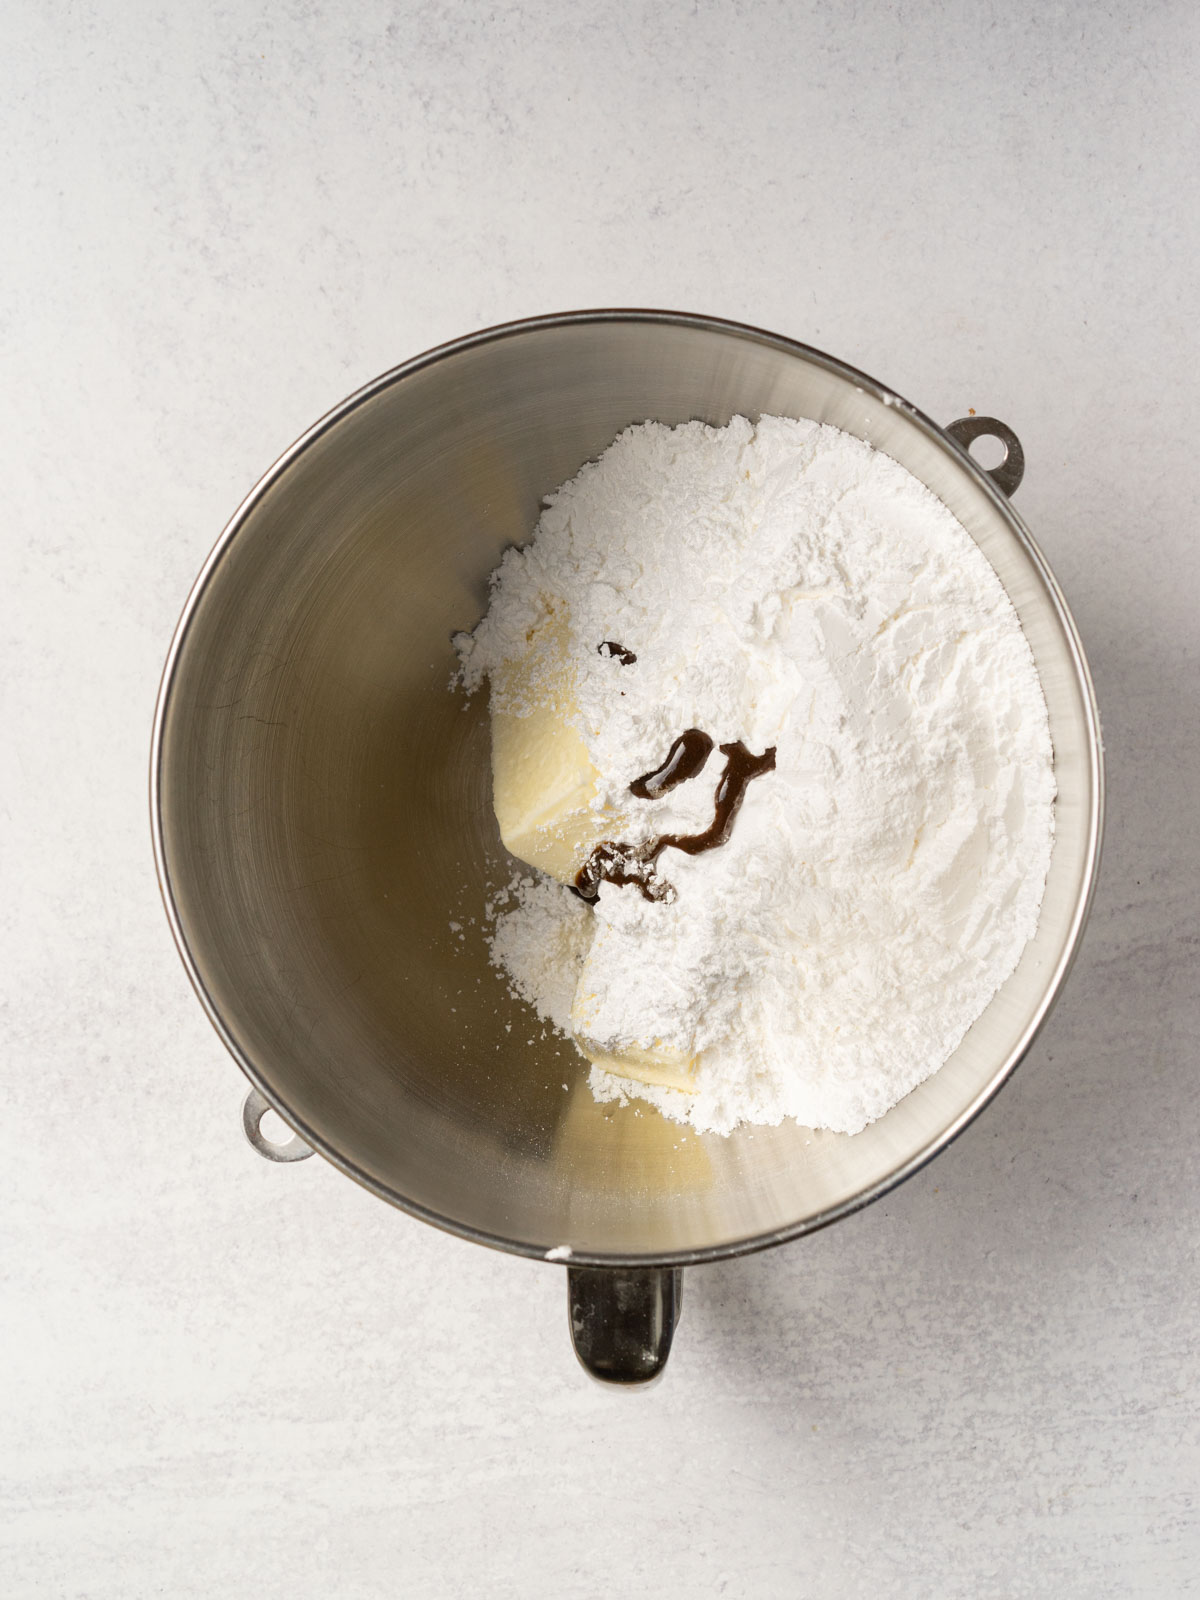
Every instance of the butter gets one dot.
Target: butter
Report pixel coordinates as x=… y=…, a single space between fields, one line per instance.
x=655 y=1063
x=650 y=1059
x=543 y=786
x=543 y=780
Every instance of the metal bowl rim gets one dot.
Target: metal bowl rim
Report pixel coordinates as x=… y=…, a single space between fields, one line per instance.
x=965 y=462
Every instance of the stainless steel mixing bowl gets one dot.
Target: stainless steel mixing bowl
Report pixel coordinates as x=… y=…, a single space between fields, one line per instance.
x=322 y=814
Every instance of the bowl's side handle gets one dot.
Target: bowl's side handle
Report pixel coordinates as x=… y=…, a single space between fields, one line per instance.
x=623 y=1320
x=254 y=1110
x=1007 y=476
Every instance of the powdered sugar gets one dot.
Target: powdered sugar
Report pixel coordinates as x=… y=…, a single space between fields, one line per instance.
x=542 y=934
x=788 y=586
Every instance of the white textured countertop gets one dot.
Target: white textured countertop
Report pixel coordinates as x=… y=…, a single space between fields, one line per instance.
x=223 y=1379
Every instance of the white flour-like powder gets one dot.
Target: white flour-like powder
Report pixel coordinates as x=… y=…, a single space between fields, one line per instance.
x=785 y=585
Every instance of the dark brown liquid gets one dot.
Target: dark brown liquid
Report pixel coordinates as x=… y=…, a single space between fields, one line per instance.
x=636 y=864
x=610 y=647
x=619 y=864
x=685 y=759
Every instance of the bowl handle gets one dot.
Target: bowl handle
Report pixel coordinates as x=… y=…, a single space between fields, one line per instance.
x=1007 y=476
x=254 y=1110
x=623 y=1320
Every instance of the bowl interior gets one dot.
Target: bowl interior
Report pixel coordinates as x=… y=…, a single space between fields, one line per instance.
x=327 y=834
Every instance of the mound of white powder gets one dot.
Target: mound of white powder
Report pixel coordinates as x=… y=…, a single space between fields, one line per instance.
x=786 y=585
